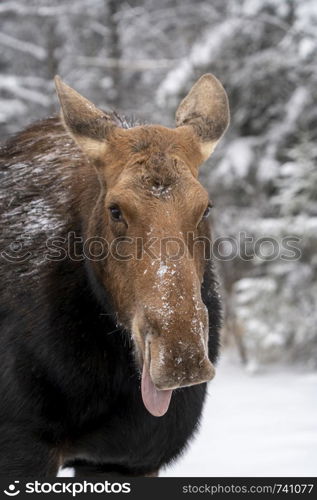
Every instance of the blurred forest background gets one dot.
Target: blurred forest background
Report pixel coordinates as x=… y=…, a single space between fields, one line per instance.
x=141 y=57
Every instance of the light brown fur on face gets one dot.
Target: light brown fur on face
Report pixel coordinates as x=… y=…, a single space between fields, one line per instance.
x=154 y=272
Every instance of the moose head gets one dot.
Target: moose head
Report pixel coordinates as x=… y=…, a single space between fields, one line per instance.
x=149 y=201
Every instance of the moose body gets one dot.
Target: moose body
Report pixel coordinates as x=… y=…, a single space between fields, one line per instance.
x=76 y=330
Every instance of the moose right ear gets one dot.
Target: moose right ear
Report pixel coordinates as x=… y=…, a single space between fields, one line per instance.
x=88 y=125
x=206 y=110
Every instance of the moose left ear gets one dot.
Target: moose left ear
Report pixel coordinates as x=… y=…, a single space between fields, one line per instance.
x=206 y=110
x=88 y=125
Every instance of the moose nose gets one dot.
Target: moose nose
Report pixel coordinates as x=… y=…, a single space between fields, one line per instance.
x=172 y=357
x=174 y=368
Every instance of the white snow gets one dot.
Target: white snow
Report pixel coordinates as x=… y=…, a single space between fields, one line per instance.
x=161 y=360
x=255 y=425
x=159 y=191
x=162 y=270
x=38 y=217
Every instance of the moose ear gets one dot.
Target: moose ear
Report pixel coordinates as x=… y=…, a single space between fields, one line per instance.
x=206 y=110
x=88 y=125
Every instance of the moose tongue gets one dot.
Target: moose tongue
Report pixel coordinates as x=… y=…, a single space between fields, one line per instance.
x=155 y=401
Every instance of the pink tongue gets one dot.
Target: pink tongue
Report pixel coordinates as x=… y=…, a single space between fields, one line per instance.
x=155 y=401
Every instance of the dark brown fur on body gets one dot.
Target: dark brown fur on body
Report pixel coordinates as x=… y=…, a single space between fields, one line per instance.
x=75 y=331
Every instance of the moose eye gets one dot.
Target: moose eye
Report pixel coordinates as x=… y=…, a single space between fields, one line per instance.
x=115 y=213
x=207 y=211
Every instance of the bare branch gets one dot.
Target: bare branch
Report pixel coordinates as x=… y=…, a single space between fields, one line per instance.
x=128 y=64
x=14 y=85
x=23 y=46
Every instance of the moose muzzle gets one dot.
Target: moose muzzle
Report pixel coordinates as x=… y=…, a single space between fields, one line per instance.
x=173 y=359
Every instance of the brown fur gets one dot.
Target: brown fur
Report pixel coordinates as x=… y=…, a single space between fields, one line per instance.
x=151 y=172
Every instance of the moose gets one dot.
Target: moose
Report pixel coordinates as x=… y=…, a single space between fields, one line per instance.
x=108 y=336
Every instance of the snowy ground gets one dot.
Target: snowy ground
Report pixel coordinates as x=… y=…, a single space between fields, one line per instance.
x=262 y=424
